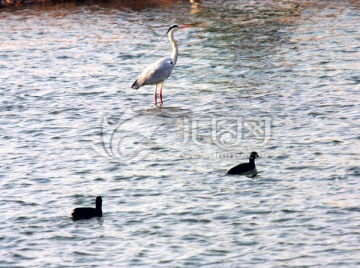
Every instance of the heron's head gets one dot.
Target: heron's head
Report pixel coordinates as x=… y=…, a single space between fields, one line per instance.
x=254 y=155
x=176 y=27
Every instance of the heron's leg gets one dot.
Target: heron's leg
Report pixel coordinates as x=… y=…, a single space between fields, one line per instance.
x=161 y=85
x=155 y=94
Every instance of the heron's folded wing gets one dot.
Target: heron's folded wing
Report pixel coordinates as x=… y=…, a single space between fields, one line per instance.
x=156 y=72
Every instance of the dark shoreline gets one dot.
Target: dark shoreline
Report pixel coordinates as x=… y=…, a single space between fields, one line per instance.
x=133 y=4
x=20 y=3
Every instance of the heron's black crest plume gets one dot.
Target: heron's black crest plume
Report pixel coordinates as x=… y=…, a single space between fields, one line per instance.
x=171 y=27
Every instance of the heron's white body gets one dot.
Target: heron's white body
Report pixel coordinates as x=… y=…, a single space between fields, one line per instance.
x=155 y=73
x=160 y=70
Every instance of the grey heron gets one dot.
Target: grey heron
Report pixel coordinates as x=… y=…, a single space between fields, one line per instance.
x=160 y=70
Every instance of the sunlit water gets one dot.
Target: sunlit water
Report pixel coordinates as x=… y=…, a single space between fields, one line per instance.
x=278 y=78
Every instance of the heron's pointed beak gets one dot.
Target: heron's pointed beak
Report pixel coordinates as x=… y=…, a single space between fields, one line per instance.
x=180 y=27
x=184 y=26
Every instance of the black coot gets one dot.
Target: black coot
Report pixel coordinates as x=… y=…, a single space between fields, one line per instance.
x=245 y=167
x=87 y=213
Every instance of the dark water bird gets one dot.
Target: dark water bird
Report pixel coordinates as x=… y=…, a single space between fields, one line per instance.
x=159 y=71
x=245 y=167
x=87 y=213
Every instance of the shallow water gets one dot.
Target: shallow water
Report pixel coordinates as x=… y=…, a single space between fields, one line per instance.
x=279 y=78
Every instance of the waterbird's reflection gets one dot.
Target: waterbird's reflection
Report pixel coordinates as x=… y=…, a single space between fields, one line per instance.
x=253 y=174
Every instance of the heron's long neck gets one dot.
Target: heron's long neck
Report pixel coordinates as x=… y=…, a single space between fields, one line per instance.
x=174 y=55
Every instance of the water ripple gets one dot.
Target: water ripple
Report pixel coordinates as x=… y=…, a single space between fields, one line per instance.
x=66 y=72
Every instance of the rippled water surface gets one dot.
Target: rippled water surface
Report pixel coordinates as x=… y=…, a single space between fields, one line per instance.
x=277 y=77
